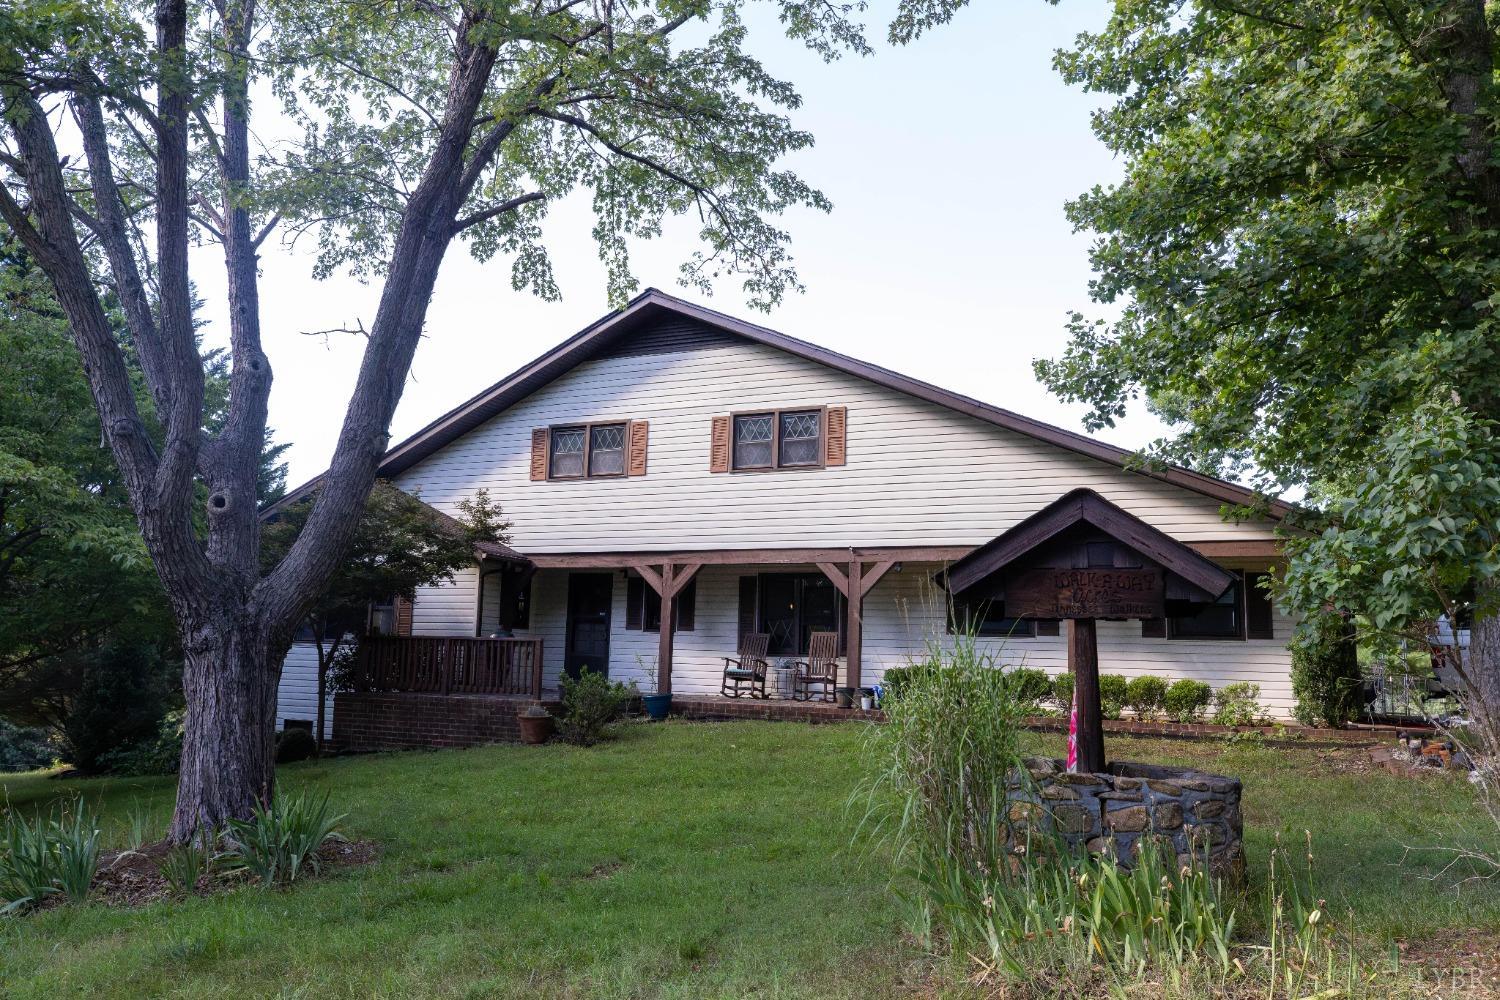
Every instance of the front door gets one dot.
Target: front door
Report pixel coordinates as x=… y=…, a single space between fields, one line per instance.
x=589 y=596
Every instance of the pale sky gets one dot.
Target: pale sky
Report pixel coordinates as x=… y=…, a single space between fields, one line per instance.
x=946 y=257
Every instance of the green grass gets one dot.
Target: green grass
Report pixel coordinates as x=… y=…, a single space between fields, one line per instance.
x=678 y=861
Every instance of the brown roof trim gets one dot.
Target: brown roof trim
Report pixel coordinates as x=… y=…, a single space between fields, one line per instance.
x=1086 y=506
x=652 y=303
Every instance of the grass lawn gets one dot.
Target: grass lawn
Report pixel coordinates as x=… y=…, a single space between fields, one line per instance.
x=682 y=860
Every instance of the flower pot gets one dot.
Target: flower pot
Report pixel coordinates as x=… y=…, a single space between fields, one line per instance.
x=866 y=698
x=844 y=697
x=657 y=705
x=536 y=729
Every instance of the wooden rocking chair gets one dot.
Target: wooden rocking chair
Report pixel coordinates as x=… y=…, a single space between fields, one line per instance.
x=821 y=667
x=747 y=671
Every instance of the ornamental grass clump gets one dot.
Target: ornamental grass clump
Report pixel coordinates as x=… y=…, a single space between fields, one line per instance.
x=47 y=856
x=280 y=841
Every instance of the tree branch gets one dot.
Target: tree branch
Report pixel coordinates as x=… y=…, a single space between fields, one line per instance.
x=510 y=205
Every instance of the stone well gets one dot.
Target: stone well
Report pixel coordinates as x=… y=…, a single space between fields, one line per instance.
x=1195 y=811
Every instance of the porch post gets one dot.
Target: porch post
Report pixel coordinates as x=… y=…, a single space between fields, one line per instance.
x=668 y=627
x=854 y=599
x=1083 y=661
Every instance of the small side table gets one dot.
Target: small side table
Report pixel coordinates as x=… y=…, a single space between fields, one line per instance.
x=784 y=681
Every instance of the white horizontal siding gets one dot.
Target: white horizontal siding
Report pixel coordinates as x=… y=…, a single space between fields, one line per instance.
x=917 y=473
x=297 y=697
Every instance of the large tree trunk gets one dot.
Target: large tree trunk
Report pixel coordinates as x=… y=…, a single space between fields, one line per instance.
x=1482 y=675
x=228 y=749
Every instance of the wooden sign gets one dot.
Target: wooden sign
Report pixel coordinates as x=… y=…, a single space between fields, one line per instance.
x=1085 y=593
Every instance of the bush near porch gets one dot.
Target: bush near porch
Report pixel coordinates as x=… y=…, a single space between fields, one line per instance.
x=680 y=860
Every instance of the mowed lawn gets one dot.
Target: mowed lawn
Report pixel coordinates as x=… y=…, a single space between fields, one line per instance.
x=681 y=860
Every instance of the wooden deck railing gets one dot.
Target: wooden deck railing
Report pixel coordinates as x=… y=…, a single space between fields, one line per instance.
x=444 y=665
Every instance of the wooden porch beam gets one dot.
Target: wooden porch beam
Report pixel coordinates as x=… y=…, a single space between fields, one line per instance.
x=872 y=575
x=683 y=575
x=750 y=557
x=853 y=639
x=652 y=577
x=667 y=628
x=840 y=580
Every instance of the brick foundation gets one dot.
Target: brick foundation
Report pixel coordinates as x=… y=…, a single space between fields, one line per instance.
x=372 y=721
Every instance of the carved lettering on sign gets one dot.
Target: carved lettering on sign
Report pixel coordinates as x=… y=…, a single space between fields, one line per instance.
x=1085 y=593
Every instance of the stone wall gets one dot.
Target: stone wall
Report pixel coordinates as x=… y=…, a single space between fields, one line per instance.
x=364 y=720
x=1190 y=810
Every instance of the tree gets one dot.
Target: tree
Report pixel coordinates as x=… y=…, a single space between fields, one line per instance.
x=399 y=545
x=412 y=125
x=1303 y=253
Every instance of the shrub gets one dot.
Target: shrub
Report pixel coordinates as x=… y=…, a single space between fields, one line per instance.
x=125 y=690
x=589 y=704
x=1028 y=686
x=280 y=841
x=24 y=749
x=184 y=865
x=1062 y=690
x=44 y=857
x=295 y=744
x=895 y=681
x=1113 y=690
x=1325 y=672
x=1186 y=700
x=1146 y=696
x=1237 y=704
x=158 y=755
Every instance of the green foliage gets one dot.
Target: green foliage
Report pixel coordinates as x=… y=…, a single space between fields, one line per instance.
x=1114 y=692
x=185 y=864
x=1028 y=686
x=590 y=703
x=24 y=749
x=1186 y=700
x=1237 y=704
x=1062 y=690
x=159 y=754
x=124 y=694
x=295 y=744
x=1146 y=695
x=941 y=764
x=1325 y=672
x=280 y=842
x=46 y=856
x=895 y=681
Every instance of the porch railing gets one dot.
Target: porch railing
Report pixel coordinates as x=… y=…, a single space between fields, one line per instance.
x=448 y=665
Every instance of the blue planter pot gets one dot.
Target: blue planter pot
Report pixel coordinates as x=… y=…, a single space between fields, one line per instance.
x=657 y=705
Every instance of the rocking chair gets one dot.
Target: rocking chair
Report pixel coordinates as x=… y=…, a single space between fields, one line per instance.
x=747 y=671
x=821 y=667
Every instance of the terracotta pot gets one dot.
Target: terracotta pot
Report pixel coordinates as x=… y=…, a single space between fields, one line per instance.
x=536 y=729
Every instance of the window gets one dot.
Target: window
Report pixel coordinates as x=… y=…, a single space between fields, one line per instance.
x=607 y=450
x=595 y=451
x=383 y=618
x=1223 y=619
x=987 y=618
x=795 y=605
x=567 y=452
x=789 y=439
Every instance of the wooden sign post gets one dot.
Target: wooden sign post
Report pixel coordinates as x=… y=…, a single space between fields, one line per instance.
x=1083 y=661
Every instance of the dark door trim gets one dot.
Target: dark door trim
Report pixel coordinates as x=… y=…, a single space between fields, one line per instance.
x=590 y=605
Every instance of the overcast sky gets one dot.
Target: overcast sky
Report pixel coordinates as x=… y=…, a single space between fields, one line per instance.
x=946 y=256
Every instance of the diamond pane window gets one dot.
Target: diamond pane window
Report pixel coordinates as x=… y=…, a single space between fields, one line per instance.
x=567 y=452
x=801 y=438
x=752 y=441
x=607 y=450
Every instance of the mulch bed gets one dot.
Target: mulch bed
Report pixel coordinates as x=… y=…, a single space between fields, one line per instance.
x=134 y=878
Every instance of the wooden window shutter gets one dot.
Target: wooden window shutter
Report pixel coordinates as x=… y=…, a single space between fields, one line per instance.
x=1048 y=626
x=748 y=587
x=835 y=451
x=539 y=441
x=403 y=616
x=1153 y=628
x=1258 y=611
x=639 y=432
x=718 y=445
x=687 y=606
x=635 y=602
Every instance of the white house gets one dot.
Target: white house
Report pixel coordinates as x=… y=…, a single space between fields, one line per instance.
x=785 y=489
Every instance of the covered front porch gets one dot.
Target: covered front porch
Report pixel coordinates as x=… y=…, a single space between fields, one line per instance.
x=667 y=620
